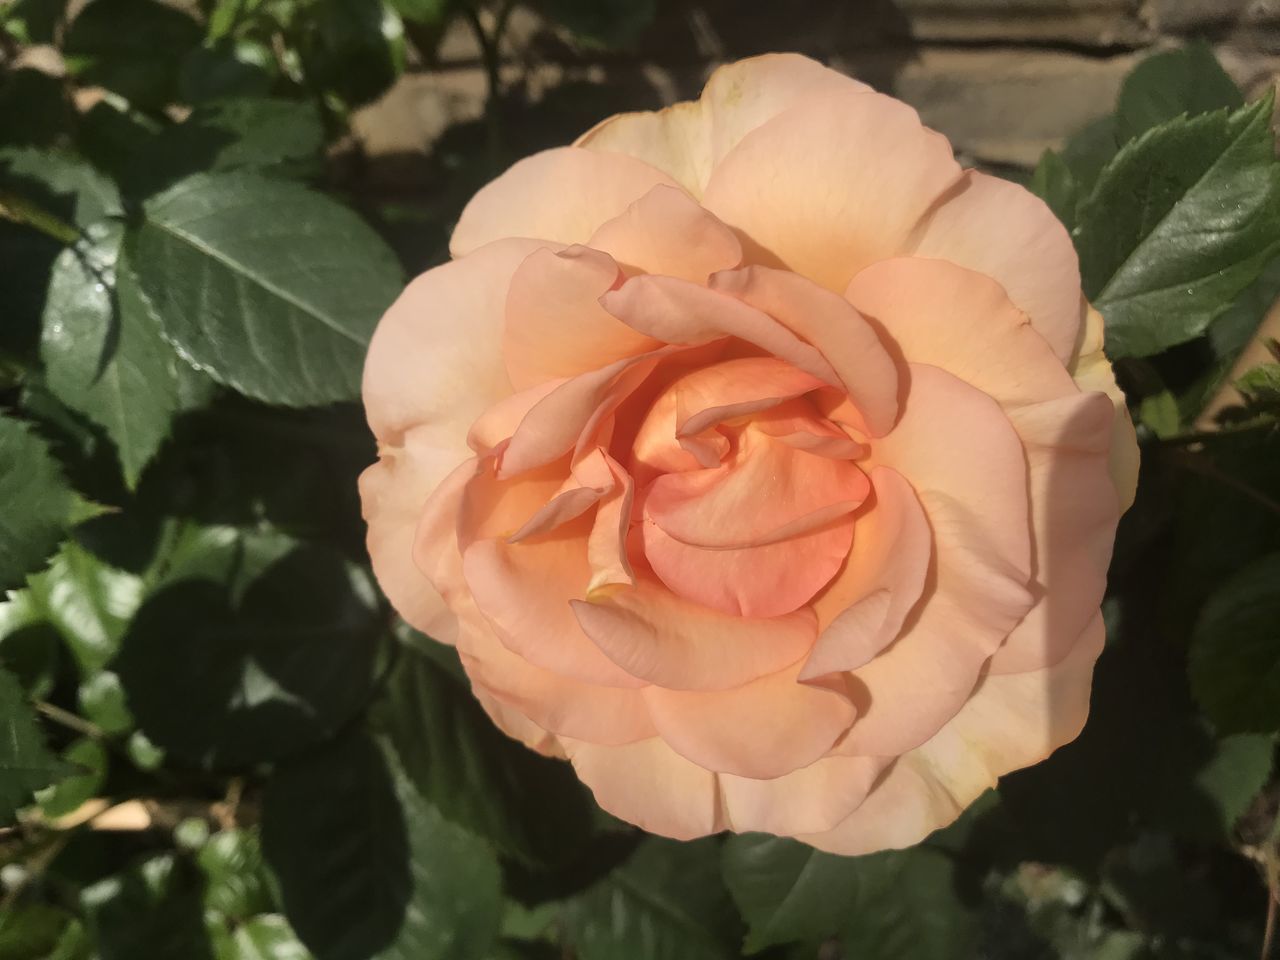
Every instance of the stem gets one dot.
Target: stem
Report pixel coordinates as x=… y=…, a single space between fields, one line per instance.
x=491 y=53
x=1207 y=436
x=18 y=210
x=69 y=720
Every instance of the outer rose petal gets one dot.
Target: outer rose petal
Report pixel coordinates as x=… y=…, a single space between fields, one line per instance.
x=435 y=359
x=1008 y=233
x=687 y=140
x=815 y=798
x=393 y=493
x=1074 y=515
x=762 y=729
x=649 y=784
x=668 y=233
x=967 y=466
x=949 y=317
x=555 y=326
x=831 y=185
x=562 y=194
x=995 y=732
x=1092 y=372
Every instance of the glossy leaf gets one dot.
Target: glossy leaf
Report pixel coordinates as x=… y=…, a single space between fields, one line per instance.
x=1184 y=82
x=267 y=937
x=272 y=289
x=1181 y=221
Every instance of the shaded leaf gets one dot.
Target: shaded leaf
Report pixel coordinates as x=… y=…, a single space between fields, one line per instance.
x=1235 y=651
x=226 y=685
x=153 y=910
x=270 y=288
x=268 y=937
x=666 y=901
x=25 y=764
x=237 y=886
x=88 y=759
x=39 y=507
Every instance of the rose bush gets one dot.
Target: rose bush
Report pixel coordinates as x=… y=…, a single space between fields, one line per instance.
x=759 y=460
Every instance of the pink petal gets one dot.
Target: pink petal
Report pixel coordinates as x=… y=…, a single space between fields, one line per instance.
x=966 y=464
x=863 y=609
x=831 y=185
x=555 y=326
x=947 y=316
x=687 y=140
x=1010 y=722
x=563 y=194
x=672 y=642
x=762 y=729
x=830 y=323
x=1074 y=515
x=677 y=311
x=649 y=784
x=815 y=798
x=666 y=232
x=999 y=229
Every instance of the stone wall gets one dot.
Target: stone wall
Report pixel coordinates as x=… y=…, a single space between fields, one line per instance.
x=1004 y=79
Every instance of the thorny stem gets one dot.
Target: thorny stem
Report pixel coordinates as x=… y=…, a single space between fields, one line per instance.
x=491 y=52
x=1208 y=436
x=1205 y=468
x=68 y=719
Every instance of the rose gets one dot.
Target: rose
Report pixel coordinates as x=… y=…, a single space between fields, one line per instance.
x=758 y=460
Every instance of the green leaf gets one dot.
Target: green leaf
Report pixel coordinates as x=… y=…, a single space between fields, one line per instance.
x=255 y=133
x=1235 y=651
x=1180 y=222
x=29 y=646
x=788 y=891
x=63 y=182
x=887 y=905
x=237 y=885
x=374 y=870
x=351 y=48
x=1185 y=82
x=531 y=807
x=25 y=764
x=88 y=602
x=227 y=69
x=272 y=289
x=102 y=701
x=1054 y=183
x=268 y=937
x=89 y=759
x=39 y=507
x=111 y=364
x=427 y=13
x=226 y=685
x=33 y=21
x=608 y=23
x=31 y=931
x=152 y=910
x=666 y=902
x=134 y=47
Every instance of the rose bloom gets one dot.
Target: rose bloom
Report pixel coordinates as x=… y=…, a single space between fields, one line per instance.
x=758 y=460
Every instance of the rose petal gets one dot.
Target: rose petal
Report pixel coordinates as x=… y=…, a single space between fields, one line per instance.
x=830 y=323
x=810 y=800
x=1092 y=371
x=863 y=609
x=831 y=185
x=563 y=194
x=555 y=326
x=665 y=639
x=762 y=729
x=649 y=784
x=1004 y=231
x=666 y=232
x=687 y=140
x=1010 y=722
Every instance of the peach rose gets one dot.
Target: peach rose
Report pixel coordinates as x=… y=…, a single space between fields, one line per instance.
x=759 y=460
